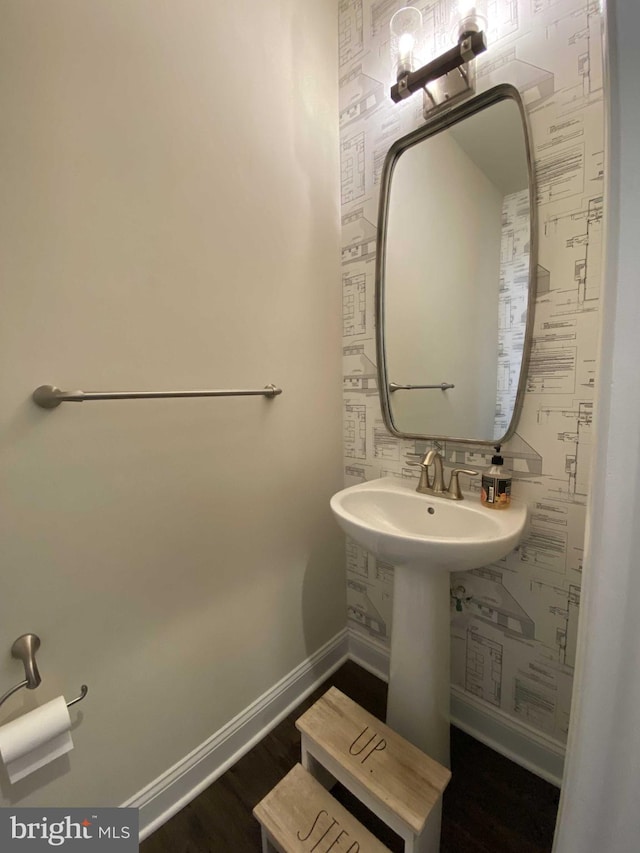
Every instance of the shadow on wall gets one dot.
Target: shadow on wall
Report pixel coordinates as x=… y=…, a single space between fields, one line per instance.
x=324 y=575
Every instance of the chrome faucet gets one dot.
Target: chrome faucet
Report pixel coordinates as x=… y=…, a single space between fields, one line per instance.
x=426 y=487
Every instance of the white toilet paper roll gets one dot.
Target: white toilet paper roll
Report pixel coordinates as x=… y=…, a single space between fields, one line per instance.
x=36 y=739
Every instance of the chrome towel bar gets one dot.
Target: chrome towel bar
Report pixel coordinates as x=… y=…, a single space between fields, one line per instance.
x=50 y=397
x=443 y=386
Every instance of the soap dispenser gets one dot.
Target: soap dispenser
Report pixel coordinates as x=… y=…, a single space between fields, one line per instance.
x=496 y=484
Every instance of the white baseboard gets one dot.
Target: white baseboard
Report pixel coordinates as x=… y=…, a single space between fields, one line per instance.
x=179 y=785
x=368 y=653
x=528 y=747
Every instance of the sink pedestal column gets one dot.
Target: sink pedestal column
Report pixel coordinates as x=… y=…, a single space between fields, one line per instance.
x=419 y=677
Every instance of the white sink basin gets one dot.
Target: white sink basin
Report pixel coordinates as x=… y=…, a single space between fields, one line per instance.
x=397 y=524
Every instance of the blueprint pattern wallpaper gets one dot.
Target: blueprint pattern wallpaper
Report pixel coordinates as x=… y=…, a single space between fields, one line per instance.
x=513 y=623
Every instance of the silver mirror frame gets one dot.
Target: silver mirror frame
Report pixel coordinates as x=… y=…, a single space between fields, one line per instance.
x=439 y=123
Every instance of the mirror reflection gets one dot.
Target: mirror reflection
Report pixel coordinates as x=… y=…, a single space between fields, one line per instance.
x=454 y=273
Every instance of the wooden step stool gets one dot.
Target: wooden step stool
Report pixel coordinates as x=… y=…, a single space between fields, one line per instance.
x=300 y=816
x=390 y=776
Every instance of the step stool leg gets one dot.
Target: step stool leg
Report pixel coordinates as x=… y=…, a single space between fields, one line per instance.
x=267 y=846
x=429 y=840
x=265 y=841
x=317 y=770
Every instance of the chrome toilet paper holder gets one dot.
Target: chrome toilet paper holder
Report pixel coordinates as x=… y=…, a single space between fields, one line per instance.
x=24 y=649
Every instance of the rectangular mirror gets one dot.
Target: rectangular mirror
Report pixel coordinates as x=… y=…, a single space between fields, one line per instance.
x=454 y=273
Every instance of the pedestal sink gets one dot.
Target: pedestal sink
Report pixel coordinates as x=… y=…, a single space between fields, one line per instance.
x=425 y=537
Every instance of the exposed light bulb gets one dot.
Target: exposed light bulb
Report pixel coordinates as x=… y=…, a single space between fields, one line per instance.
x=471 y=17
x=405 y=28
x=405 y=50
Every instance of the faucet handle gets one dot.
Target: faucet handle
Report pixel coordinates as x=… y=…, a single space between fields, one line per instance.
x=454 y=490
x=417 y=458
x=424 y=484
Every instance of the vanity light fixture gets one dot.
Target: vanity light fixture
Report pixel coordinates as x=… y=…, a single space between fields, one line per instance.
x=448 y=77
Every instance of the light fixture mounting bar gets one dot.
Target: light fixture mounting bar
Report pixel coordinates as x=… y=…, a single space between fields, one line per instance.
x=469 y=46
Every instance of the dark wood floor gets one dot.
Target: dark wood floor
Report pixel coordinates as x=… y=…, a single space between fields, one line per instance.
x=491 y=805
